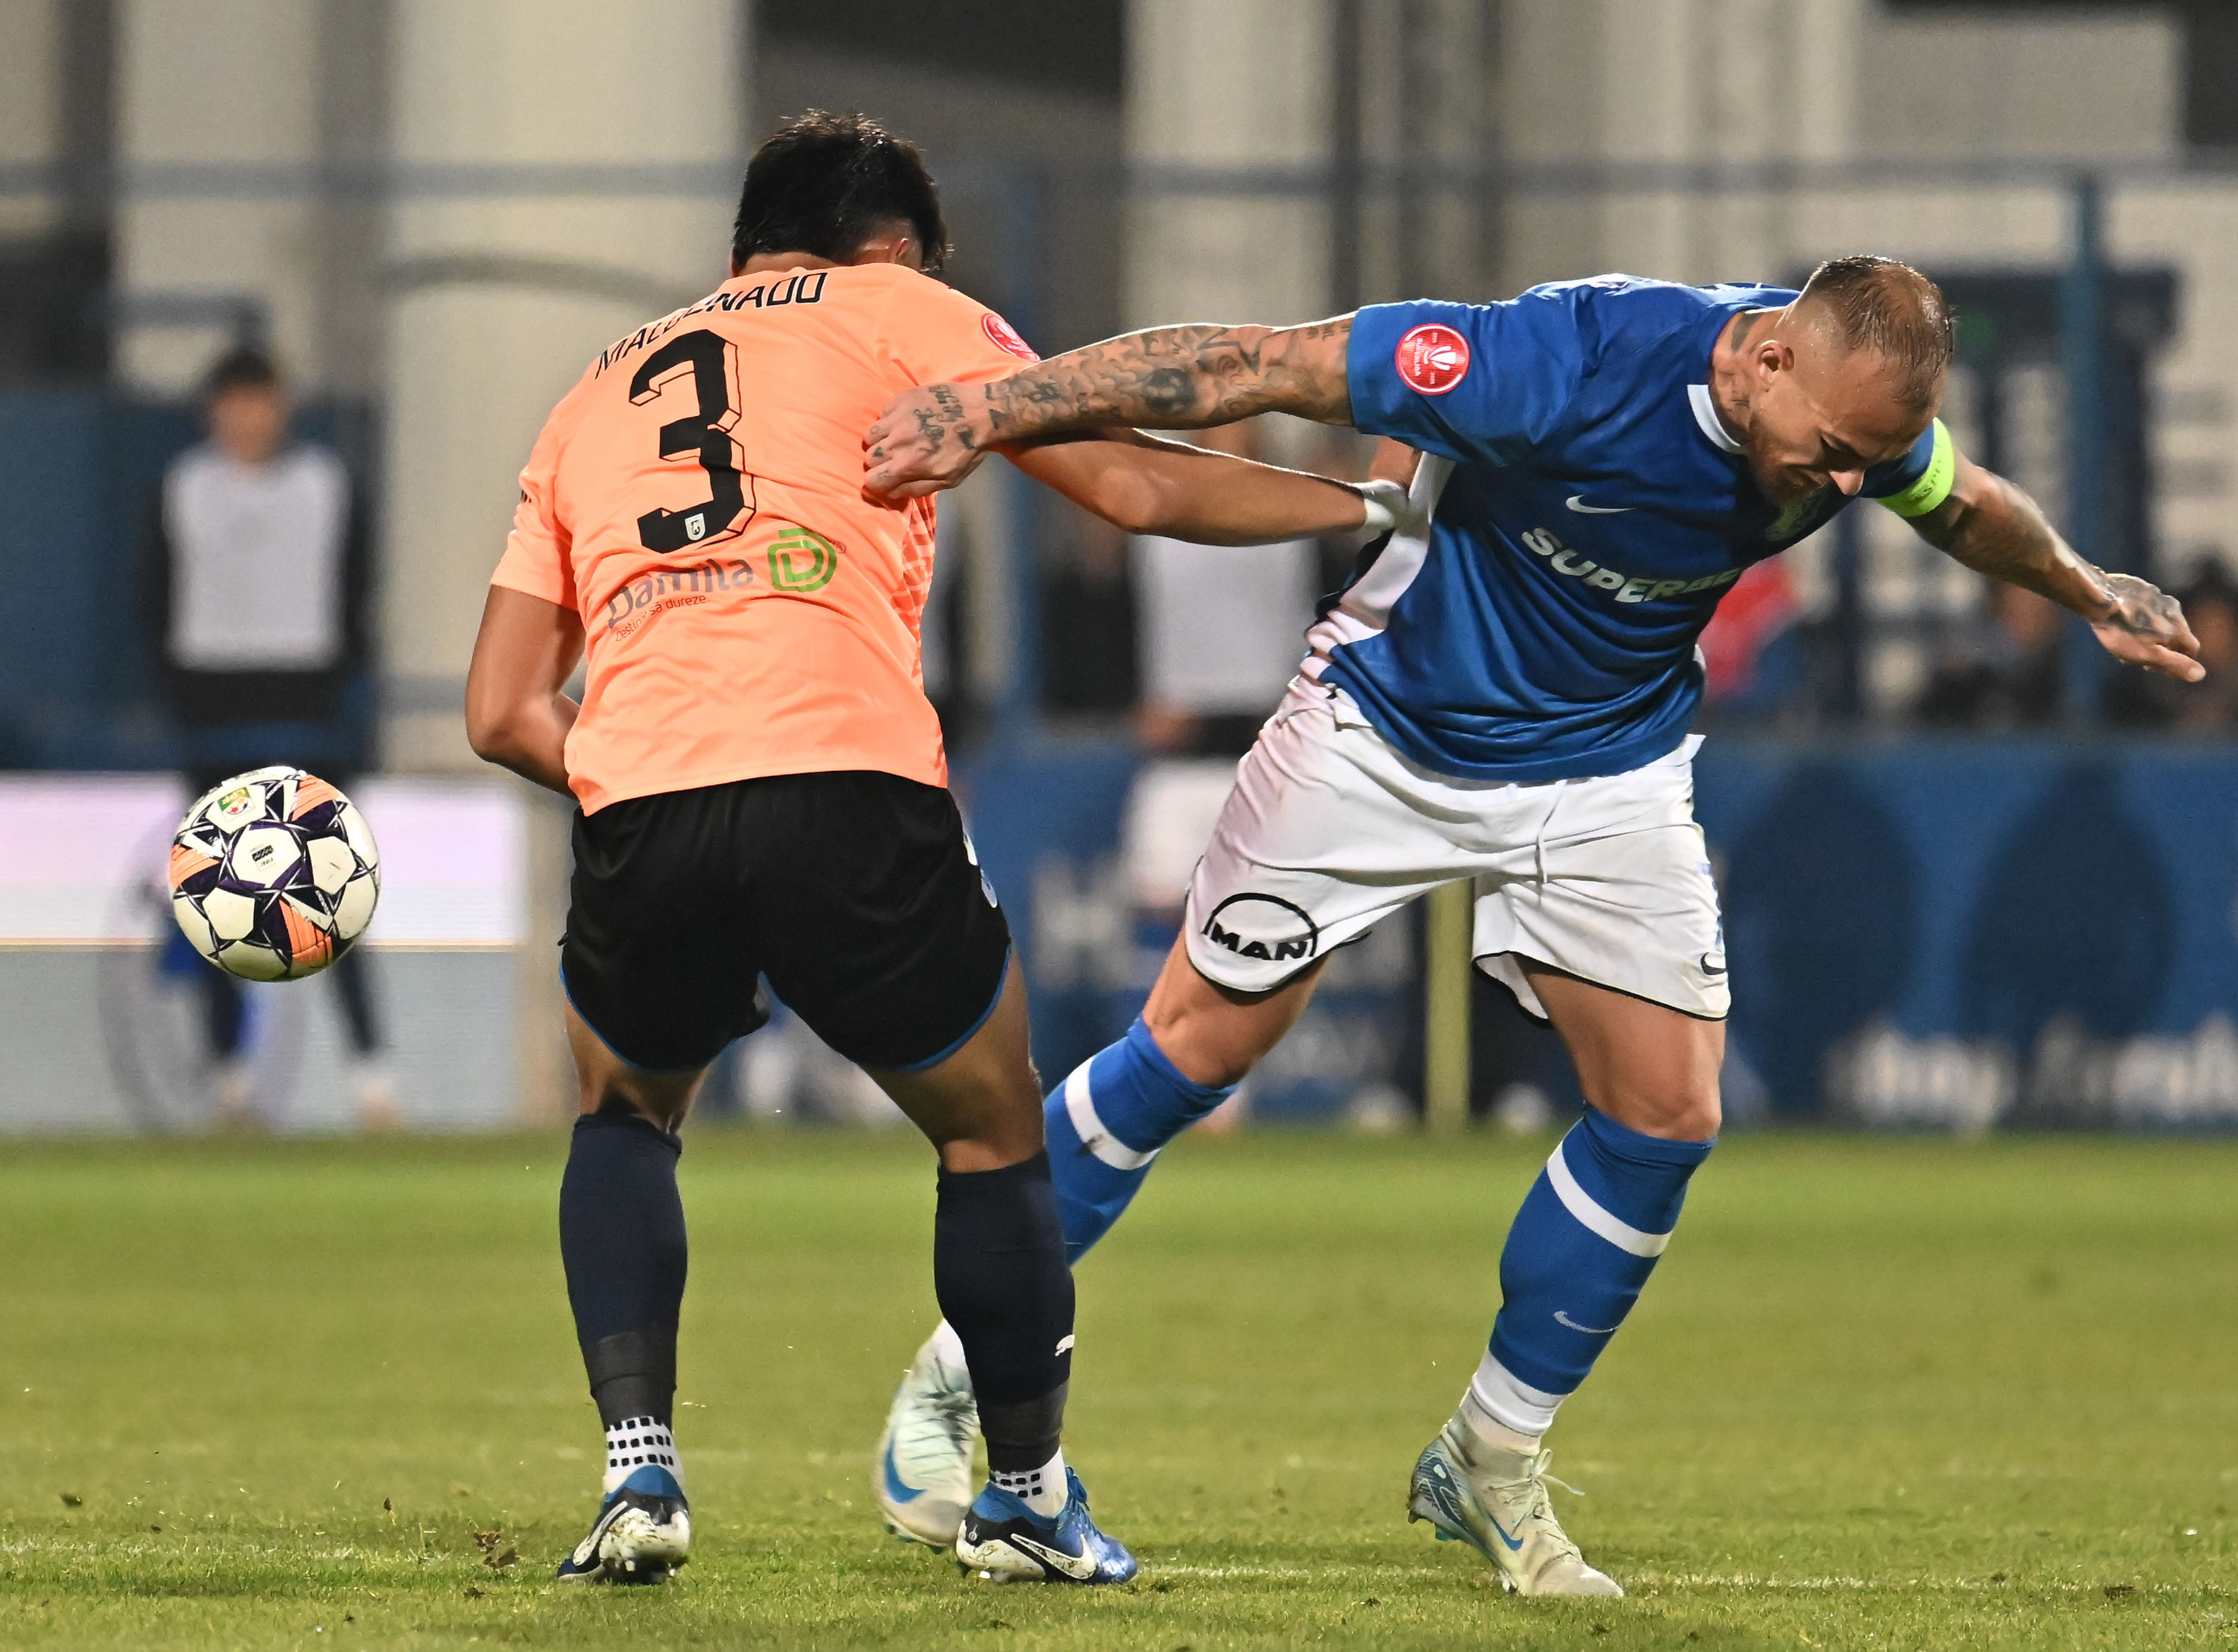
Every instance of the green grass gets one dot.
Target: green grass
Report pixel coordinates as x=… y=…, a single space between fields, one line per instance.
x=1882 y=1393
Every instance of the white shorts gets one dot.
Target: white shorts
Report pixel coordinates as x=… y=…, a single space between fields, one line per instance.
x=1329 y=830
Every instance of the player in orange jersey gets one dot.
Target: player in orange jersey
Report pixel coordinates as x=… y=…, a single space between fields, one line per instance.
x=762 y=790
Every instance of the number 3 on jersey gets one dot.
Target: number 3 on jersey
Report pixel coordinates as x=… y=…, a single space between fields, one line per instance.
x=712 y=362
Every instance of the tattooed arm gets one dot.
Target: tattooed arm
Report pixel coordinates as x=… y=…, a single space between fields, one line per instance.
x=1169 y=378
x=1995 y=528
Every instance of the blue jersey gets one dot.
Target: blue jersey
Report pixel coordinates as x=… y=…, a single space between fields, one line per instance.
x=1588 y=511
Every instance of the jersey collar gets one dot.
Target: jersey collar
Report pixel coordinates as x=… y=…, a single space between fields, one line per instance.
x=1706 y=414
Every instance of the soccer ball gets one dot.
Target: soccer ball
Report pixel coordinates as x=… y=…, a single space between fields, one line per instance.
x=273 y=874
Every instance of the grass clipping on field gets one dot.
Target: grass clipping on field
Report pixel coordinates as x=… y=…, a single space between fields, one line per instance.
x=1880 y=1393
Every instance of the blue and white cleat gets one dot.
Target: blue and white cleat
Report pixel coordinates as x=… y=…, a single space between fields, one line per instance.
x=1497 y=1501
x=922 y=1475
x=1005 y=1542
x=643 y=1533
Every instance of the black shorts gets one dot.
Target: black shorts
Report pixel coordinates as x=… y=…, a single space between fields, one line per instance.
x=856 y=894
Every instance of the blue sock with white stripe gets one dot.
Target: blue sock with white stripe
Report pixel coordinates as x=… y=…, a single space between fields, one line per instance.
x=1580 y=1249
x=1107 y=1122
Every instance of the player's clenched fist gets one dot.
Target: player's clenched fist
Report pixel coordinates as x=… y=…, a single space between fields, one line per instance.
x=925 y=440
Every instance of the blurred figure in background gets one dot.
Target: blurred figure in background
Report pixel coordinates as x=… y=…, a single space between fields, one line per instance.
x=2206 y=710
x=1194 y=648
x=1220 y=632
x=1752 y=665
x=2005 y=672
x=1088 y=614
x=257 y=590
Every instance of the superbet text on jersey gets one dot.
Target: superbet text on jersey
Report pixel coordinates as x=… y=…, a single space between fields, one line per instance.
x=1587 y=510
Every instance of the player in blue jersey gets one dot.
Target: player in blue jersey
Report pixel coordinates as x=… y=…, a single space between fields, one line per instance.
x=1503 y=693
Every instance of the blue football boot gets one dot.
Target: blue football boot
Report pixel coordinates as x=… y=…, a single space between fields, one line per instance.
x=1005 y=1542
x=643 y=1533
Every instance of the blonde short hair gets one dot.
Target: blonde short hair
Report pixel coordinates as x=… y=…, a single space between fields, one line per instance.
x=1889 y=307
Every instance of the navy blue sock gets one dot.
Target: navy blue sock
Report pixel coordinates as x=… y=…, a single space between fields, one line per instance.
x=1579 y=1250
x=1106 y=1122
x=224 y=1015
x=999 y=1270
x=622 y=1238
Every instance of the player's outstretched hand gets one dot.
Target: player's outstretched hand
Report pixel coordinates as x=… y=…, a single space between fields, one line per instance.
x=925 y=440
x=2146 y=627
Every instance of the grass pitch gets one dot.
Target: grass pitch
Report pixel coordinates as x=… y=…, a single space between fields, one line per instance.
x=1881 y=1394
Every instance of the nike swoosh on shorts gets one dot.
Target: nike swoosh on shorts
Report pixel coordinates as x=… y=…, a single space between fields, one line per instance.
x=1577 y=502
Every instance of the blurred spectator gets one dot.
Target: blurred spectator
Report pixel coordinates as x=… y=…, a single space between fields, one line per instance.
x=2211 y=604
x=1088 y=616
x=1753 y=665
x=2004 y=671
x=257 y=595
x=1220 y=630
x=2209 y=708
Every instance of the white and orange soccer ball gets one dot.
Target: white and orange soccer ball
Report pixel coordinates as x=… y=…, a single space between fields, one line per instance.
x=273 y=874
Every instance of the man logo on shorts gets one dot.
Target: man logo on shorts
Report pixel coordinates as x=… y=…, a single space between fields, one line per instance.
x=1263 y=926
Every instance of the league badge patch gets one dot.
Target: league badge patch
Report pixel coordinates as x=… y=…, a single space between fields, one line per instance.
x=1005 y=337
x=1433 y=358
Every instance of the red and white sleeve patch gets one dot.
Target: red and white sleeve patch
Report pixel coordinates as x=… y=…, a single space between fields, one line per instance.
x=1005 y=337
x=1433 y=358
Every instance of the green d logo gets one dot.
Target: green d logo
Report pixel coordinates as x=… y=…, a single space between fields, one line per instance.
x=800 y=560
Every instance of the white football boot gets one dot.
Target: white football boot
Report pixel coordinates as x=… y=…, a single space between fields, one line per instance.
x=922 y=1475
x=1497 y=1500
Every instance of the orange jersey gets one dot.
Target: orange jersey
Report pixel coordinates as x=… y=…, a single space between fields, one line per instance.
x=697 y=499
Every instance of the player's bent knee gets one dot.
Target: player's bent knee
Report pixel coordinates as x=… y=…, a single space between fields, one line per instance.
x=662 y=1108
x=981 y=1108
x=1216 y=1047
x=1672 y=1115
x=1216 y=1034
x=605 y=1084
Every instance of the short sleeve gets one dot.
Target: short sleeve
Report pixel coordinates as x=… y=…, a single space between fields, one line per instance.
x=1917 y=483
x=1468 y=380
x=538 y=552
x=937 y=336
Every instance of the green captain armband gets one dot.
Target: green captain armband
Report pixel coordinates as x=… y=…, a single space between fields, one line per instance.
x=1933 y=486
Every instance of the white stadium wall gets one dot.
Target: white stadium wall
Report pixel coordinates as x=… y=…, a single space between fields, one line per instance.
x=82 y=914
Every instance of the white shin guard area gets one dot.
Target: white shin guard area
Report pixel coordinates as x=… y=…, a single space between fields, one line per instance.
x=635 y=1442
x=1041 y=1489
x=1495 y=1394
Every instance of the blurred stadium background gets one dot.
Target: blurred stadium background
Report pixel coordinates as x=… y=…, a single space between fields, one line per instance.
x=1973 y=876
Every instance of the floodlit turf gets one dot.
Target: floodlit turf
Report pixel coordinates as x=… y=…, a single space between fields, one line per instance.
x=1884 y=1393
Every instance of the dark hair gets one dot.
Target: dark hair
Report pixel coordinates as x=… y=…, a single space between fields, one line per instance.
x=242 y=367
x=2211 y=582
x=1894 y=311
x=823 y=183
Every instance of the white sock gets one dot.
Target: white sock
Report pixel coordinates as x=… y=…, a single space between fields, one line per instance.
x=950 y=1347
x=636 y=1441
x=1504 y=1412
x=1041 y=1490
